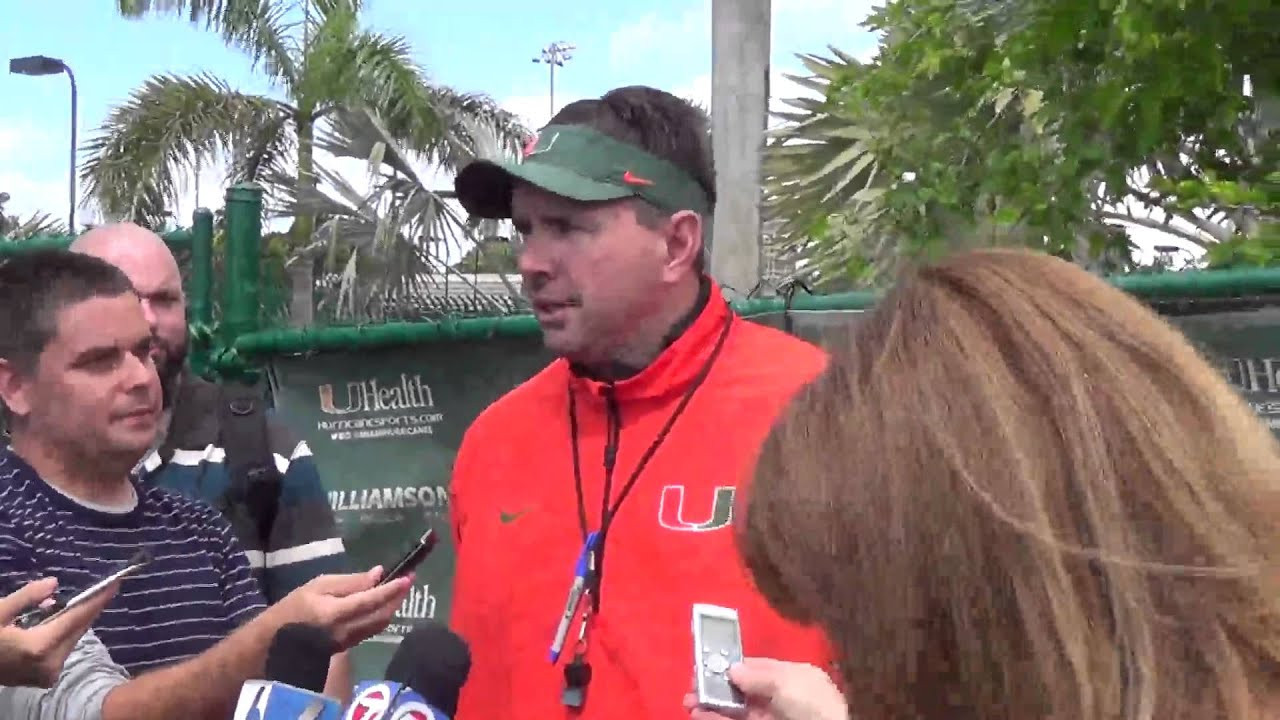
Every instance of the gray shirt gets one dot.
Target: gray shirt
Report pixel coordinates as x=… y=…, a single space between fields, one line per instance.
x=87 y=676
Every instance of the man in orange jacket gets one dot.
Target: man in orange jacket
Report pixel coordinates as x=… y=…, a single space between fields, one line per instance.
x=640 y=435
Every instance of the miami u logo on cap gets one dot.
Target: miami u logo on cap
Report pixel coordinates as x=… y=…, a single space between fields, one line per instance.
x=534 y=145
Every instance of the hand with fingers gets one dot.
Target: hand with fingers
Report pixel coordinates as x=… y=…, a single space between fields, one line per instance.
x=34 y=657
x=351 y=607
x=779 y=690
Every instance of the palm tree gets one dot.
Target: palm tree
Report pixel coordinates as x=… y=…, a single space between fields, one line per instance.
x=13 y=227
x=321 y=65
x=384 y=250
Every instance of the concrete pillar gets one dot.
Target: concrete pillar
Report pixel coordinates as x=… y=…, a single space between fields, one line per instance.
x=739 y=116
x=302 y=287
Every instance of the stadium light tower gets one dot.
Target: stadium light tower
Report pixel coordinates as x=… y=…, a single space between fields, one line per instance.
x=555 y=55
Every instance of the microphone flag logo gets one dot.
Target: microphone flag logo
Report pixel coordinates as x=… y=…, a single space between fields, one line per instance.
x=379 y=702
x=371 y=704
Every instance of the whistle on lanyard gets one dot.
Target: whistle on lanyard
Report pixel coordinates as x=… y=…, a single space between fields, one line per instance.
x=581 y=571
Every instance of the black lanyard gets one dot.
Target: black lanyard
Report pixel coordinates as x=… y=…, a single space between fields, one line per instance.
x=612 y=440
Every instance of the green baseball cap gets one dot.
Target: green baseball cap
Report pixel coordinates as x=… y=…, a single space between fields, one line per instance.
x=578 y=163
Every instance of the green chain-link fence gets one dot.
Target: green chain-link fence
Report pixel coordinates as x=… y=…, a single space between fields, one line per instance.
x=384 y=406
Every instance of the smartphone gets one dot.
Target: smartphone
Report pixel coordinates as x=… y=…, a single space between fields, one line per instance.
x=412 y=559
x=41 y=615
x=717 y=646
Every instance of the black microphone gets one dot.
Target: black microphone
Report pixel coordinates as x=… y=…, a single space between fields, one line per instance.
x=428 y=669
x=299 y=656
x=296 y=670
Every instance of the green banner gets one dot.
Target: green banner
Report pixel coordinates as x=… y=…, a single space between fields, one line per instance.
x=1245 y=345
x=384 y=427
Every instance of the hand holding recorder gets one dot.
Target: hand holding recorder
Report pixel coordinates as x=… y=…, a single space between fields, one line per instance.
x=778 y=690
x=33 y=656
x=727 y=685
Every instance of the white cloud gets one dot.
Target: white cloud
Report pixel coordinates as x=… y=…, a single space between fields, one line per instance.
x=29 y=195
x=654 y=31
x=23 y=147
x=840 y=14
x=781 y=88
x=535 y=110
x=795 y=26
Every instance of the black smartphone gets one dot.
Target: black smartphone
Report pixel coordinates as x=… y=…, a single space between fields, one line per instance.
x=419 y=552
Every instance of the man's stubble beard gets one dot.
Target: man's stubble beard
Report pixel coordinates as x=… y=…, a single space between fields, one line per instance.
x=174 y=359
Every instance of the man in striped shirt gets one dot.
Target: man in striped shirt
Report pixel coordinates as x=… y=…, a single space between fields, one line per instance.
x=190 y=452
x=300 y=539
x=79 y=385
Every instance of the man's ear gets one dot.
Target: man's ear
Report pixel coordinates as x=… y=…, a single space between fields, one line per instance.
x=14 y=388
x=684 y=243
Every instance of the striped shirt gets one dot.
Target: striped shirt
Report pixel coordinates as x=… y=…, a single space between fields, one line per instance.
x=88 y=676
x=304 y=541
x=196 y=590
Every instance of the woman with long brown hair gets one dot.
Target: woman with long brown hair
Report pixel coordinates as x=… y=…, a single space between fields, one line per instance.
x=1018 y=493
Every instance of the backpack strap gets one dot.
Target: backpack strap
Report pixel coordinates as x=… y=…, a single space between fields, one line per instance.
x=254 y=480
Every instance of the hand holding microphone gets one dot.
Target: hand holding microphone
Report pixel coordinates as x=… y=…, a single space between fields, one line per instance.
x=423 y=679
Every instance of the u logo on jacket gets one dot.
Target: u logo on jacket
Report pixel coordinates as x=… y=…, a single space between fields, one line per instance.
x=673 y=515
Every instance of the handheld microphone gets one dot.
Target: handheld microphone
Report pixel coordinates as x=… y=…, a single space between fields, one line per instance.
x=423 y=679
x=297 y=667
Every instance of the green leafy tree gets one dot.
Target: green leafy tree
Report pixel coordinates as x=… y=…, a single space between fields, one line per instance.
x=1038 y=123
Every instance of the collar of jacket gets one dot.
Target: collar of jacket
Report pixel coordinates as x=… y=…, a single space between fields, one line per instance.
x=194 y=421
x=675 y=368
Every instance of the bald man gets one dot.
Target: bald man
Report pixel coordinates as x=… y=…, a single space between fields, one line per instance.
x=282 y=516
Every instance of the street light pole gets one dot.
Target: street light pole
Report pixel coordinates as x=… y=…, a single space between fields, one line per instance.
x=36 y=65
x=554 y=55
x=71 y=181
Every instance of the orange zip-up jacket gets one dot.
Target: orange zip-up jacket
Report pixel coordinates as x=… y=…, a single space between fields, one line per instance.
x=515 y=516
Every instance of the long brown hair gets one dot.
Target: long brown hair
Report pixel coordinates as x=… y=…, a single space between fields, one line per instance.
x=1018 y=493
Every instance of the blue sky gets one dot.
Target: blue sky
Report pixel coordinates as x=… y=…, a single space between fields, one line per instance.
x=483 y=46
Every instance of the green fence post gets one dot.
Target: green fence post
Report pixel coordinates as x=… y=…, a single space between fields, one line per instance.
x=200 y=297
x=240 y=288
x=202 y=267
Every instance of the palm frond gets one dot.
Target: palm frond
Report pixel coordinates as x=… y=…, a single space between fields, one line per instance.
x=325 y=8
x=13 y=227
x=163 y=131
x=475 y=126
x=358 y=134
x=257 y=27
x=388 y=245
x=386 y=79
x=351 y=68
x=823 y=184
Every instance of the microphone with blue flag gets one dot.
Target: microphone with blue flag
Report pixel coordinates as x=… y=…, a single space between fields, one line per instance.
x=297 y=667
x=423 y=679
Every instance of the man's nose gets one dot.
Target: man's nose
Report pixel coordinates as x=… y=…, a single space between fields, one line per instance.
x=149 y=313
x=534 y=257
x=140 y=371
